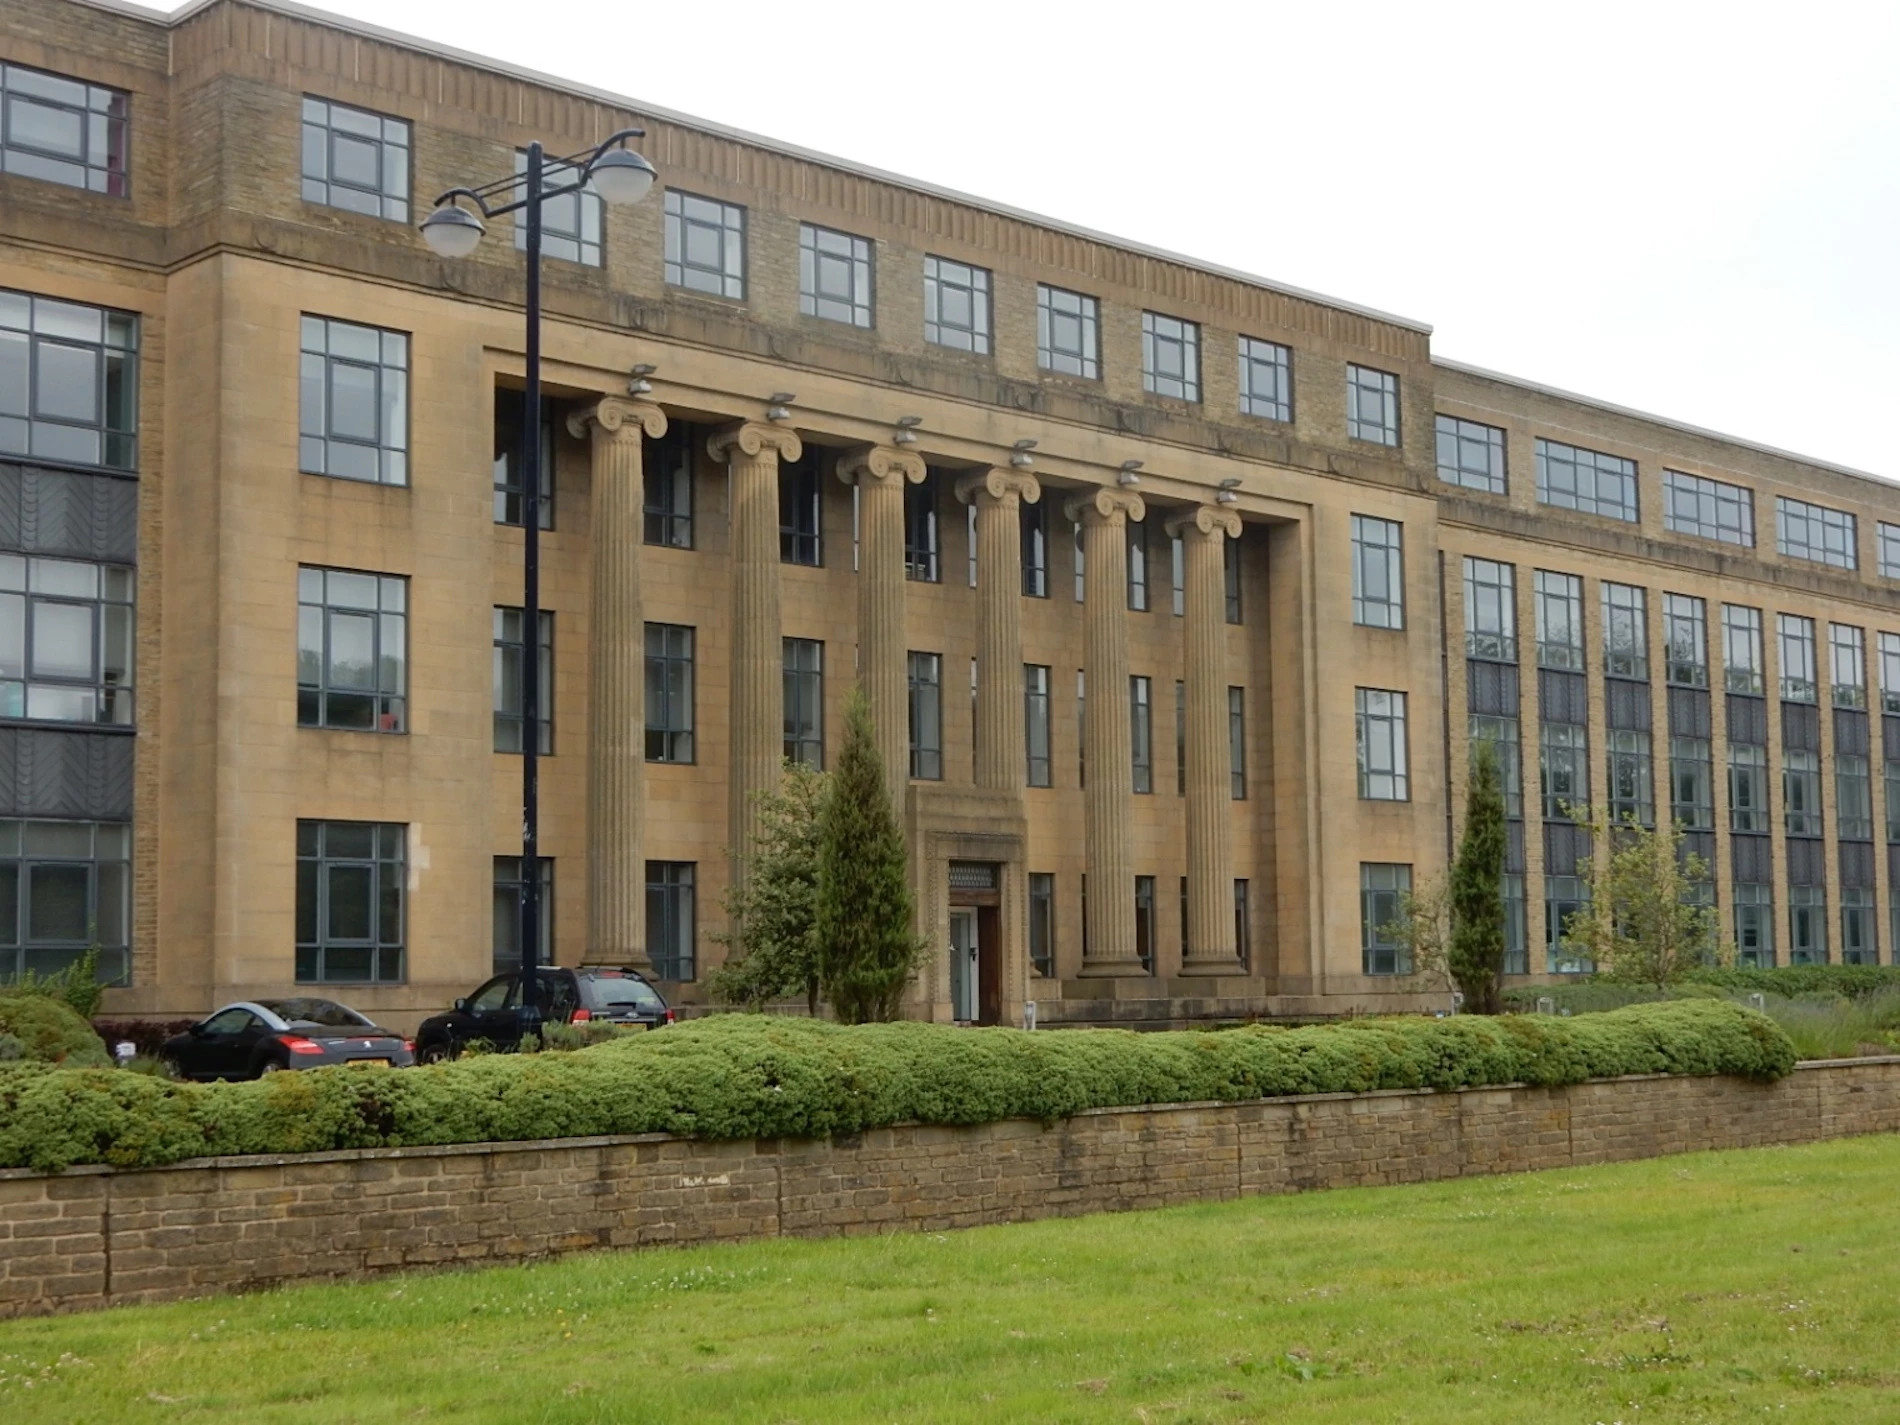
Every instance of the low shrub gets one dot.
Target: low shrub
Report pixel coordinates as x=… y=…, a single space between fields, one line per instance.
x=1851 y=981
x=1594 y=995
x=147 y=1035
x=51 y=1031
x=11 y=1049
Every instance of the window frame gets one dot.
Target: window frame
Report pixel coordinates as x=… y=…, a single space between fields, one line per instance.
x=394 y=136
x=1847 y=665
x=1384 y=754
x=1797 y=651
x=727 y=221
x=1497 y=589
x=1381 y=886
x=580 y=238
x=387 y=873
x=1490 y=478
x=671 y=690
x=804 y=693
x=42 y=328
x=1085 y=359
x=1625 y=631
x=317 y=441
x=1707 y=508
x=973 y=336
x=923 y=530
x=1178 y=341
x=107 y=868
x=668 y=471
x=1275 y=403
x=1383 y=427
x=1742 y=629
x=1585 y=491
x=1799 y=522
x=818 y=255
x=544 y=712
x=389 y=708
x=1384 y=555
x=508 y=883
x=1036 y=711
x=678 y=882
x=925 y=698
x=111 y=617
x=1141 y=752
x=1685 y=622
x=105 y=117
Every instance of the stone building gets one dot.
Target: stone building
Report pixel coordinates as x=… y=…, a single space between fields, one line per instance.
x=1248 y=557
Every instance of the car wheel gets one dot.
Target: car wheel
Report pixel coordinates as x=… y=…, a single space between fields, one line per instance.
x=435 y=1053
x=269 y=1066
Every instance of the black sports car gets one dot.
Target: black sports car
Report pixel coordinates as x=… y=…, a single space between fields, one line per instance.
x=256 y=1037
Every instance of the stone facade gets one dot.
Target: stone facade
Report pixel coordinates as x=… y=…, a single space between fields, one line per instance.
x=220 y=255
x=93 y=1237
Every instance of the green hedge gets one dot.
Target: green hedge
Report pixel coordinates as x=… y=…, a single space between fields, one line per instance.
x=753 y=1076
x=1850 y=981
x=51 y=1031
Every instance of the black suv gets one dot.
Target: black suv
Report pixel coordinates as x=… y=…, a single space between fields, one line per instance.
x=597 y=993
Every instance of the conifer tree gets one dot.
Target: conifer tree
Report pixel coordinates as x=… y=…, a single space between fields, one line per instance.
x=773 y=912
x=1475 y=955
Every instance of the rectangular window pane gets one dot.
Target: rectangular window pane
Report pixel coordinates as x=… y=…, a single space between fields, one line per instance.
x=1378 y=572
x=1266 y=379
x=355 y=403
x=1141 y=731
x=1471 y=455
x=956 y=305
x=570 y=222
x=834 y=276
x=1170 y=357
x=801 y=507
x=1237 y=743
x=1795 y=639
x=1381 y=889
x=1742 y=649
x=1490 y=610
x=923 y=529
x=672 y=919
x=1036 y=723
x=1708 y=509
x=1816 y=533
x=1572 y=478
x=352 y=650
x=705 y=245
x=68 y=381
x=1625 y=632
x=669 y=687
x=805 y=701
x=1034 y=524
x=1372 y=405
x=61 y=130
x=1067 y=333
x=351 y=885
x=1686 y=640
x=1042 y=923
x=507 y=913
x=1382 y=747
x=355 y=160
x=926 y=716
x=1847 y=650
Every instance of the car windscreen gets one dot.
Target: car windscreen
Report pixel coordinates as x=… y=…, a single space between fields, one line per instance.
x=614 y=991
x=315 y=1011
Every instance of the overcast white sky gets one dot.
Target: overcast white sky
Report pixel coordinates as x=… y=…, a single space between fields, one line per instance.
x=1693 y=209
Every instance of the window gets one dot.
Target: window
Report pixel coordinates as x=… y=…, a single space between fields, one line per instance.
x=1691 y=784
x=1382 y=762
x=1137 y=539
x=1797 y=657
x=1081 y=565
x=68 y=382
x=1471 y=455
x=669 y=693
x=1563 y=768
x=1177 y=559
x=1853 y=797
x=1754 y=925
x=1180 y=738
x=1890 y=673
x=1741 y=649
x=1382 y=887
x=65 y=887
x=507 y=937
x=923 y=531
x=957 y=305
x=1145 y=922
x=1807 y=925
x=1036 y=723
x=1266 y=379
x=1230 y=574
x=350 y=887
x=63 y=131
x=1068 y=335
x=1858 y=945
x=666 y=470
x=1748 y=788
x=1243 y=925
x=1170 y=357
x=1517 y=959
x=510 y=658
x=1372 y=405
x=1848 y=645
x=1042 y=923
x=352 y=639
x=355 y=160
x=1631 y=797
x=1887 y=549
x=672 y=921
x=1708 y=509
x=570 y=223
x=1237 y=743
x=1033 y=523
x=1892 y=774
x=1490 y=610
x=1502 y=733
x=1081 y=727
x=801 y=511
x=1625 y=632
x=354 y=396
x=1685 y=641
x=1378 y=572
x=1559 y=607
x=510 y=479
x=1574 y=479
x=805 y=702
x=705 y=245
x=834 y=276
x=66 y=635
x=1801 y=791
x=1141 y=731
x=1564 y=896
x=1804 y=531
x=926 y=716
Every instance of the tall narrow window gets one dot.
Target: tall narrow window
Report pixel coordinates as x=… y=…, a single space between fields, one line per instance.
x=1036 y=723
x=805 y=701
x=834 y=275
x=1571 y=478
x=1691 y=784
x=1137 y=532
x=352 y=650
x=1042 y=923
x=1141 y=731
x=1858 y=943
x=1382 y=753
x=66 y=643
x=354 y=402
x=1564 y=768
x=1180 y=738
x=1504 y=735
x=508 y=663
x=801 y=511
x=705 y=245
x=1033 y=522
x=571 y=223
x=1559 y=607
x=1564 y=896
x=1517 y=957
x=1847 y=646
x=1807 y=925
x=1170 y=357
x=1145 y=922
x=63 y=131
x=1378 y=572
x=1068 y=339
x=1372 y=405
x=1796 y=639
x=1625 y=632
x=351 y=884
x=1080 y=565
x=1748 y=788
x=669 y=730
x=1382 y=887
x=1471 y=455
x=1243 y=924
x=1816 y=533
x=355 y=160
x=68 y=382
x=1754 y=925
x=957 y=305
x=1741 y=649
x=1266 y=379
x=923 y=530
x=1890 y=673
x=1632 y=797
x=1853 y=797
x=66 y=887
x=510 y=487
x=1887 y=549
x=1230 y=573
x=667 y=473
x=1177 y=561
x=672 y=919
x=1801 y=791
x=1490 y=610
x=926 y=716
x=1686 y=640
x=1237 y=743
x=507 y=914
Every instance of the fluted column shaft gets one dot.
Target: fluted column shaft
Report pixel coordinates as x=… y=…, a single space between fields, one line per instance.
x=1111 y=779
x=1211 y=947
x=881 y=474
x=998 y=496
x=616 y=721
x=756 y=705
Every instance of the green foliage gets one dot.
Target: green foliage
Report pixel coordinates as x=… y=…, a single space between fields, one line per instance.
x=12 y=1050
x=51 y=1031
x=1475 y=955
x=1642 y=922
x=867 y=950
x=561 y=1038
x=76 y=986
x=1852 y=981
x=753 y=1076
x=1593 y=994
x=774 y=910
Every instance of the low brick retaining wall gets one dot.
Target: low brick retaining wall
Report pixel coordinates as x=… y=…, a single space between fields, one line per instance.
x=95 y=1236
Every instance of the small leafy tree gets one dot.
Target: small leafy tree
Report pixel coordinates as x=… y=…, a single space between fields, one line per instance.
x=1644 y=922
x=866 y=948
x=1423 y=927
x=1475 y=956
x=773 y=913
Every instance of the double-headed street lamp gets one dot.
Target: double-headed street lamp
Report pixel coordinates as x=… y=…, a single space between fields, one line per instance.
x=620 y=176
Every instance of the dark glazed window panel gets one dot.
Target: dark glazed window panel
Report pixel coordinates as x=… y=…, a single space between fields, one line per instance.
x=1816 y=533
x=1141 y=732
x=65 y=887
x=1266 y=379
x=673 y=919
x=1382 y=887
x=351 y=884
x=1807 y=925
x=1748 y=788
x=1230 y=574
x=570 y=223
x=1236 y=743
x=1708 y=509
x=510 y=486
x=669 y=671
x=507 y=914
x=801 y=511
x=1042 y=923
x=1754 y=925
x=68 y=382
x=666 y=470
x=1471 y=455
x=1571 y=478
x=66 y=640
x=508 y=662
x=354 y=401
x=1136 y=533
x=1036 y=723
x=1490 y=610
x=705 y=245
x=1685 y=641
x=956 y=305
x=1068 y=338
x=805 y=702
x=923 y=530
x=352 y=650
x=355 y=160
x=926 y=716
x=1034 y=524
x=1170 y=357
x=834 y=276
x=1145 y=922
x=1378 y=572
x=1741 y=649
x=1372 y=405
x=63 y=130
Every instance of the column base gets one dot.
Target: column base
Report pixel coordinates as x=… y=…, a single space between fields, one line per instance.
x=1213 y=965
x=1129 y=968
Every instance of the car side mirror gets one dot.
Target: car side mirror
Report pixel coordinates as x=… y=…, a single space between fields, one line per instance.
x=461 y=1004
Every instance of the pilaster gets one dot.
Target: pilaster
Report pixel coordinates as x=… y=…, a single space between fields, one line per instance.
x=998 y=496
x=880 y=473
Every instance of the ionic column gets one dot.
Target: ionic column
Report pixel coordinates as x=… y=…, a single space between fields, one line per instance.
x=1104 y=516
x=1211 y=947
x=756 y=705
x=880 y=474
x=998 y=496
x=616 y=720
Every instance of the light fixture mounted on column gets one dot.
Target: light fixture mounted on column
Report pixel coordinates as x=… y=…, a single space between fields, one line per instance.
x=907 y=430
x=778 y=406
x=637 y=383
x=1020 y=458
x=1128 y=475
x=1226 y=495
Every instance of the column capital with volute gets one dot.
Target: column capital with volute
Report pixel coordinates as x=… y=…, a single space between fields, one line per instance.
x=618 y=416
x=751 y=439
x=998 y=484
x=1104 y=505
x=881 y=462
x=1204 y=520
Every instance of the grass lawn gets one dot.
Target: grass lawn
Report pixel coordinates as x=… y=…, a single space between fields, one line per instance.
x=1722 y=1286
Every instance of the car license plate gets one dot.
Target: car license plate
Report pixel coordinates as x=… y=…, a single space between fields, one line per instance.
x=361 y=1062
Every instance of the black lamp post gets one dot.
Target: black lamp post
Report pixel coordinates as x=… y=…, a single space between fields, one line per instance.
x=619 y=176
